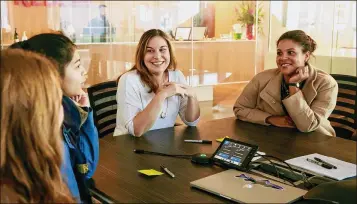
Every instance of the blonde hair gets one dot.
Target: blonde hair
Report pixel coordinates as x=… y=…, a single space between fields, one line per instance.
x=139 y=65
x=31 y=142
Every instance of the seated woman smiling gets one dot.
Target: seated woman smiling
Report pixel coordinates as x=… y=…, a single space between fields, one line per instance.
x=153 y=92
x=295 y=95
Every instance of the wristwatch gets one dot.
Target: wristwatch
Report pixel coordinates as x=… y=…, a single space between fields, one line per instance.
x=297 y=85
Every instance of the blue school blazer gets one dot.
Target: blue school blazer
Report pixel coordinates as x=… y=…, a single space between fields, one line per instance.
x=84 y=138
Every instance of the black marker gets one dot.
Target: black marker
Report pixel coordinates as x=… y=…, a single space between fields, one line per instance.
x=319 y=163
x=200 y=141
x=320 y=160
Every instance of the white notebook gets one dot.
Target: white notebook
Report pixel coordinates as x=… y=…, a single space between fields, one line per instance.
x=344 y=169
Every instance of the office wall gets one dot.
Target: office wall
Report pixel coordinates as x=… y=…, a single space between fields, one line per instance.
x=19 y=19
x=225 y=17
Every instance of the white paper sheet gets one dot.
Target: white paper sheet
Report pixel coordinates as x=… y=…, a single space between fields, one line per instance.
x=344 y=169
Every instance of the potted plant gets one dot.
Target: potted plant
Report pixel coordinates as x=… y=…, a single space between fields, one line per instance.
x=245 y=13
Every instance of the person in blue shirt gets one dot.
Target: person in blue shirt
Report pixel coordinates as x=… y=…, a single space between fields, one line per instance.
x=81 y=147
x=100 y=27
x=31 y=118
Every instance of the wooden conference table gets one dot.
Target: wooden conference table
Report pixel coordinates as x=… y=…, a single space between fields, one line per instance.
x=117 y=174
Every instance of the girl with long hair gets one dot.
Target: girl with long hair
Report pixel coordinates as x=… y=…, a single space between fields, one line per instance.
x=153 y=92
x=80 y=136
x=31 y=142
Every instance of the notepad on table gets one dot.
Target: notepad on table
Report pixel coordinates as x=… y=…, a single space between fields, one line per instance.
x=221 y=139
x=150 y=172
x=344 y=169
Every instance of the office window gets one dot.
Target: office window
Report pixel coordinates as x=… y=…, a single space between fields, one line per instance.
x=276 y=9
x=330 y=31
x=354 y=39
x=145 y=13
x=341 y=12
x=293 y=15
x=4 y=16
x=353 y=19
x=187 y=9
x=332 y=24
x=353 y=15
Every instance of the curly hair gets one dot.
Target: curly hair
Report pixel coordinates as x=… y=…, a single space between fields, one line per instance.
x=305 y=41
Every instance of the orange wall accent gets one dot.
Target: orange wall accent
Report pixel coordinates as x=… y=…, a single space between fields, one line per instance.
x=209 y=15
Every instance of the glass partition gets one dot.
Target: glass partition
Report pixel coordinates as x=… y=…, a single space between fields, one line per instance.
x=216 y=54
x=332 y=24
x=343 y=59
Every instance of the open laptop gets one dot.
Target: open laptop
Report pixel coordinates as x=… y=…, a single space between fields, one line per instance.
x=231 y=185
x=198 y=33
x=182 y=33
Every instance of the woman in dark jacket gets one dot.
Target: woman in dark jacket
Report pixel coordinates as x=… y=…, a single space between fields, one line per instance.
x=81 y=147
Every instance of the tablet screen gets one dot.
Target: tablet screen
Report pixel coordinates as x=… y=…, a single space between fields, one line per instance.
x=234 y=153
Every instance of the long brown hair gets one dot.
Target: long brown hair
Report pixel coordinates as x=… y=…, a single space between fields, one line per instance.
x=31 y=143
x=139 y=65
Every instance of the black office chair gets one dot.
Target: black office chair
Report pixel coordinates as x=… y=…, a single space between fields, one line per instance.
x=101 y=196
x=102 y=98
x=332 y=192
x=98 y=195
x=344 y=116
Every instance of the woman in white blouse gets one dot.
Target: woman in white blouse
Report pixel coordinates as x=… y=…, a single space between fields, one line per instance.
x=153 y=92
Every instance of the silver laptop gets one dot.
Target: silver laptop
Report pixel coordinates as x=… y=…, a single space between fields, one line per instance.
x=235 y=186
x=198 y=33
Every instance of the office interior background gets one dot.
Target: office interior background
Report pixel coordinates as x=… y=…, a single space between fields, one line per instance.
x=218 y=64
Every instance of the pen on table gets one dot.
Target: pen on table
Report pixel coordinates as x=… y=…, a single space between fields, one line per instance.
x=320 y=160
x=200 y=141
x=319 y=163
x=168 y=171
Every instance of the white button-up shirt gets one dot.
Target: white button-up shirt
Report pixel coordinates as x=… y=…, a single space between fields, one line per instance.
x=132 y=97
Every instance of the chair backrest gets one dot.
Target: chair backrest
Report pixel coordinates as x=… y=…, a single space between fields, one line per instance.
x=334 y=192
x=102 y=98
x=344 y=116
